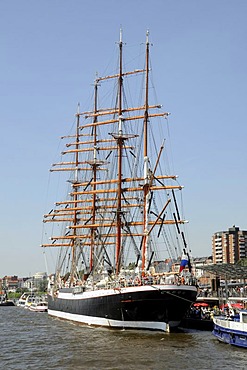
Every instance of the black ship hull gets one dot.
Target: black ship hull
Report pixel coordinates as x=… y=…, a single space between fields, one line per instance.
x=156 y=307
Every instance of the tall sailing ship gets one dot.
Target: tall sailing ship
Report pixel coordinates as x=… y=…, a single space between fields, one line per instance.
x=116 y=224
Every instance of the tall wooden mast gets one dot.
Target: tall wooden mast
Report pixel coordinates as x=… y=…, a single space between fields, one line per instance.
x=75 y=196
x=146 y=185
x=94 y=168
x=120 y=148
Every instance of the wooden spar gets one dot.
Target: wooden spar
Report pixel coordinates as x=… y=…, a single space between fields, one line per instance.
x=91 y=142
x=120 y=75
x=99 y=243
x=69 y=211
x=114 y=181
x=92 y=149
x=74 y=136
x=85 y=220
x=68 y=245
x=66 y=163
x=146 y=187
x=68 y=202
x=56 y=245
x=59 y=220
x=71 y=169
x=110 y=111
x=102 y=208
x=90 y=200
x=132 y=118
x=115 y=190
x=156 y=165
x=87 y=236
x=131 y=223
x=113 y=199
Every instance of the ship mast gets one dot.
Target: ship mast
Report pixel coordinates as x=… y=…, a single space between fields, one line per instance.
x=146 y=186
x=75 y=196
x=94 y=169
x=120 y=148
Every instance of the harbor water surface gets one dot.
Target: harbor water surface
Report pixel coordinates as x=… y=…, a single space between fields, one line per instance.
x=32 y=340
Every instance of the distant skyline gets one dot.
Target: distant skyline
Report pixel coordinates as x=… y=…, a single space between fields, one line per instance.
x=50 y=53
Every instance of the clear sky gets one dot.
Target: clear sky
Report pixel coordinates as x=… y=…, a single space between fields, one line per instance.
x=50 y=51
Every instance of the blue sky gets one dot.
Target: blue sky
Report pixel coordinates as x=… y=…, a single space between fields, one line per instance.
x=50 y=51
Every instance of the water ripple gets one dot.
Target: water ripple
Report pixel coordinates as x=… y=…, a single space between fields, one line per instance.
x=32 y=340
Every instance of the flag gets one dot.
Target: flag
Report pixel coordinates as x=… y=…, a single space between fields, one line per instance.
x=184 y=262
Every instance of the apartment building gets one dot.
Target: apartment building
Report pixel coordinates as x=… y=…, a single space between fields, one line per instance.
x=10 y=283
x=229 y=246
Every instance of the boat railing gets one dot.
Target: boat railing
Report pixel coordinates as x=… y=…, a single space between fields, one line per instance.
x=124 y=282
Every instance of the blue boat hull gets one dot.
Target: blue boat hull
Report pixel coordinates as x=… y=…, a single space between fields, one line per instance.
x=229 y=334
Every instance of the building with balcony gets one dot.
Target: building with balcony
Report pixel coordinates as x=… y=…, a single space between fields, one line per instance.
x=229 y=246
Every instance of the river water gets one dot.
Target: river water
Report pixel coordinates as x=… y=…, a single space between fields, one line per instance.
x=30 y=340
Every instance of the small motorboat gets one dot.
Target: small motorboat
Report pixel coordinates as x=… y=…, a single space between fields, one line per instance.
x=38 y=306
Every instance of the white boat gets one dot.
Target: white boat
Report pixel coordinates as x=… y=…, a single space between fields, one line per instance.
x=232 y=329
x=29 y=299
x=22 y=300
x=39 y=306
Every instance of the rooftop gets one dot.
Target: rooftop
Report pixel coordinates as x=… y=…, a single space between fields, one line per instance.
x=227 y=270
